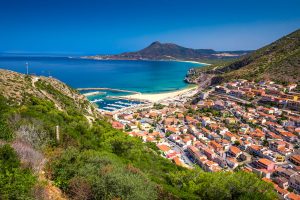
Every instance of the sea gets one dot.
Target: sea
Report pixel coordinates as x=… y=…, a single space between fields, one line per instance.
x=139 y=76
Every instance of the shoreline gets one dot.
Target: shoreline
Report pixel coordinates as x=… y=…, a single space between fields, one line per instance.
x=160 y=96
x=157 y=97
x=191 y=61
x=186 y=61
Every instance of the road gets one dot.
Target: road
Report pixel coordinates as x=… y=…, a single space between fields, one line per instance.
x=231 y=97
x=176 y=147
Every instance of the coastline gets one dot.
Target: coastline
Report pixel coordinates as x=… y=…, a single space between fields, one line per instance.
x=186 y=61
x=191 y=61
x=157 y=97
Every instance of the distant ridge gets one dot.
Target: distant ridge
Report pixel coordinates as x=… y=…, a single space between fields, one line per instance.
x=170 y=51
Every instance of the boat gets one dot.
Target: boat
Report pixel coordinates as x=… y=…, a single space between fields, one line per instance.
x=116 y=105
x=110 y=108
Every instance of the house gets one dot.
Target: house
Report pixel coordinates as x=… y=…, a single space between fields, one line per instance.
x=180 y=116
x=133 y=126
x=220 y=160
x=282 y=147
x=187 y=141
x=294 y=182
x=118 y=125
x=282 y=182
x=229 y=136
x=209 y=153
x=291 y=86
x=150 y=139
x=232 y=162
x=164 y=148
x=195 y=154
x=286 y=173
x=255 y=150
x=288 y=136
x=264 y=163
x=295 y=159
x=178 y=161
x=205 y=121
x=169 y=121
x=145 y=126
x=216 y=146
x=128 y=117
x=172 y=130
x=205 y=131
x=234 y=151
x=293 y=196
x=230 y=120
x=219 y=105
x=211 y=166
x=204 y=95
x=190 y=120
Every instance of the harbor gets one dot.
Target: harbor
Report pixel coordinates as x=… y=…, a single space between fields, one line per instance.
x=111 y=100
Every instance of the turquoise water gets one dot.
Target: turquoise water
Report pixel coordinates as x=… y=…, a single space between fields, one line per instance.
x=141 y=76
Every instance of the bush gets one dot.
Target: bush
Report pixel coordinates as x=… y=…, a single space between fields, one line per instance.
x=15 y=182
x=100 y=173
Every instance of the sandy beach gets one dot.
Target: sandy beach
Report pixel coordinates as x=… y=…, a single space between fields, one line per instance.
x=196 y=62
x=159 y=96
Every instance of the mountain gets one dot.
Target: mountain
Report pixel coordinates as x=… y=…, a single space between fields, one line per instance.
x=54 y=145
x=278 y=61
x=170 y=51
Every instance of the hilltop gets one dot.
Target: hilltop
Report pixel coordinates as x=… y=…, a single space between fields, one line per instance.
x=278 y=61
x=19 y=88
x=170 y=51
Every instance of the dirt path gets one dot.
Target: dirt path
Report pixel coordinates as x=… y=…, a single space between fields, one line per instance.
x=51 y=192
x=33 y=81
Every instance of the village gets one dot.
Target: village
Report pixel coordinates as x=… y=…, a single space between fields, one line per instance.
x=239 y=125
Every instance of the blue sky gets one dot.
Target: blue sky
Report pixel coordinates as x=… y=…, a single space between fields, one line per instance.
x=114 y=26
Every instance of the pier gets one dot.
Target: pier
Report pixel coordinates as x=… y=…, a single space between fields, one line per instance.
x=93 y=93
x=109 y=89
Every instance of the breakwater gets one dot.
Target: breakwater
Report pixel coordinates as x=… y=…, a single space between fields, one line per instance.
x=109 y=89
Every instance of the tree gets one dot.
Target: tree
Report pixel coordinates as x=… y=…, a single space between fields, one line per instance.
x=237 y=143
x=127 y=128
x=265 y=143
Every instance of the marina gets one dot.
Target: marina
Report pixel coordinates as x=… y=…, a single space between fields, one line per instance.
x=112 y=103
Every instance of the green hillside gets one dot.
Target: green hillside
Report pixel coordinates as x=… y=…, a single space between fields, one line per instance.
x=279 y=61
x=91 y=160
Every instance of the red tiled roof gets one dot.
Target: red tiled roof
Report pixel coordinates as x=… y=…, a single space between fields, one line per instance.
x=163 y=147
x=265 y=161
x=293 y=196
x=235 y=150
x=296 y=157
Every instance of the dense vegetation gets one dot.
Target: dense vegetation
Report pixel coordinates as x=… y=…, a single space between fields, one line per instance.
x=279 y=61
x=95 y=161
x=15 y=182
